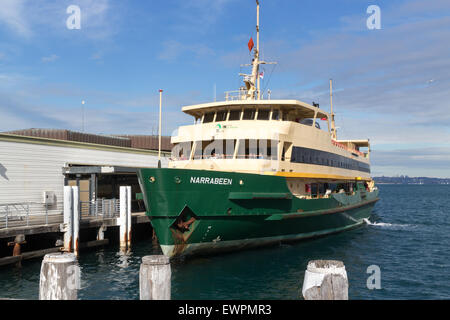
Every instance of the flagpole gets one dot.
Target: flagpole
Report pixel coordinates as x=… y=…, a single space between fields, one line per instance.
x=257 y=46
x=159 y=144
x=82 y=115
x=333 y=126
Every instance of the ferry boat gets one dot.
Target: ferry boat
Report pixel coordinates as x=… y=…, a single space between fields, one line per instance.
x=252 y=171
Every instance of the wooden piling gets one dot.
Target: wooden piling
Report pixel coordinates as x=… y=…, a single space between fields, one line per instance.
x=155 y=278
x=60 y=277
x=325 y=280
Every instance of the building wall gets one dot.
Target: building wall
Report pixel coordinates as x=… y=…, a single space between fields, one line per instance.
x=29 y=166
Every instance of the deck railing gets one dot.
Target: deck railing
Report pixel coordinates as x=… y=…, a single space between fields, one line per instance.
x=105 y=208
x=30 y=213
x=26 y=214
x=343 y=146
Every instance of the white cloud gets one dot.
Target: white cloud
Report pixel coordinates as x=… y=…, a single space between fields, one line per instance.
x=30 y=18
x=12 y=16
x=199 y=15
x=50 y=58
x=173 y=49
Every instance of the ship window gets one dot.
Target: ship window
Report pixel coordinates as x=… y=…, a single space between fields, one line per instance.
x=284 y=155
x=181 y=151
x=214 y=149
x=263 y=114
x=221 y=116
x=235 y=115
x=209 y=117
x=249 y=114
x=257 y=149
x=308 y=122
x=314 y=190
x=221 y=149
x=198 y=151
x=275 y=114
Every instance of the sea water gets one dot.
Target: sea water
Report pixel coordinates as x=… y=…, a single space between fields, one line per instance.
x=406 y=238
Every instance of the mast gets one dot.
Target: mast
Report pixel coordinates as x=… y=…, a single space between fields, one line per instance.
x=333 y=125
x=257 y=51
x=253 y=81
x=159 y=140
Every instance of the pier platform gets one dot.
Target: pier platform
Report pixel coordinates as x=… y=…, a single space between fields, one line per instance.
x=52 y=226
x=39 y=225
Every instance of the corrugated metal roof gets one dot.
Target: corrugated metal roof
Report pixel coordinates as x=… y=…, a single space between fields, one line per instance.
x=126 y=141
x=149 y=142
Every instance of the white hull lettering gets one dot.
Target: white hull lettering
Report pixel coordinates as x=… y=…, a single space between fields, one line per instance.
x=207 y=180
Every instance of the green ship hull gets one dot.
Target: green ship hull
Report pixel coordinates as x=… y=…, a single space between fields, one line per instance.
x=203 y=212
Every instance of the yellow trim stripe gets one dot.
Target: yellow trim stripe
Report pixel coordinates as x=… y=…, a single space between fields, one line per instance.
x=315 y=176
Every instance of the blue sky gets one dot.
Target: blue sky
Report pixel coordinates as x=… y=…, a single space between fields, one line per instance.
x=391 y=85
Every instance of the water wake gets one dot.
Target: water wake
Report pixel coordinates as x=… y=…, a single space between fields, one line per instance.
x=387 y=225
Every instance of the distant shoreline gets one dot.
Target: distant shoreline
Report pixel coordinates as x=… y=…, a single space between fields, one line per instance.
x=412 y=180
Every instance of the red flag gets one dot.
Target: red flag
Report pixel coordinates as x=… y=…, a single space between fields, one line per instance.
x=250 y=44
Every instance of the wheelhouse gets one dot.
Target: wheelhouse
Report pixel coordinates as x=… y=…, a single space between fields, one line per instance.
x=258 y=110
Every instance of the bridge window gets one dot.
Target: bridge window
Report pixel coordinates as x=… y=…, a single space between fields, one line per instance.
x=235 y=115
x=209 y=117
x=221 y=116
x=263 y=114
x=275 y=114
x=249 y=114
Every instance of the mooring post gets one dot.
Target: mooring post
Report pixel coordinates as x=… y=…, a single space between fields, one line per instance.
x=325 y=280
x=155 y=278
x=60 y=277
x=18 y=241
x=128 y=217
x=68 y=218
x=71 y=226
x=76 y=219
x=101 y=232
x=122 y=218
x=125 y=218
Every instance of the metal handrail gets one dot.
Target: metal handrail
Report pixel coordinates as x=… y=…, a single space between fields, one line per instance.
x=105 y=208
x=22 y=212
x=235 y=95
x=36 y=213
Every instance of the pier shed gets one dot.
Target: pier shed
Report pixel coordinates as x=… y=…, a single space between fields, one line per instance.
x=36 y=164
x=35 y=168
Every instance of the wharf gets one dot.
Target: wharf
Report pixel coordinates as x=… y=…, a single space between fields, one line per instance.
x=39 y=225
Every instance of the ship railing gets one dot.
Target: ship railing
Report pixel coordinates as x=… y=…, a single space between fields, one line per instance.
x=30 y=214
x=256 y=157
x=235 y=95
x=210 y=157
x=228 y=156
x=344 y=147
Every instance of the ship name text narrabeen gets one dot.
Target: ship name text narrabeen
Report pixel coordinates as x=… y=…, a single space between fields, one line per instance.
x=206 y=180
